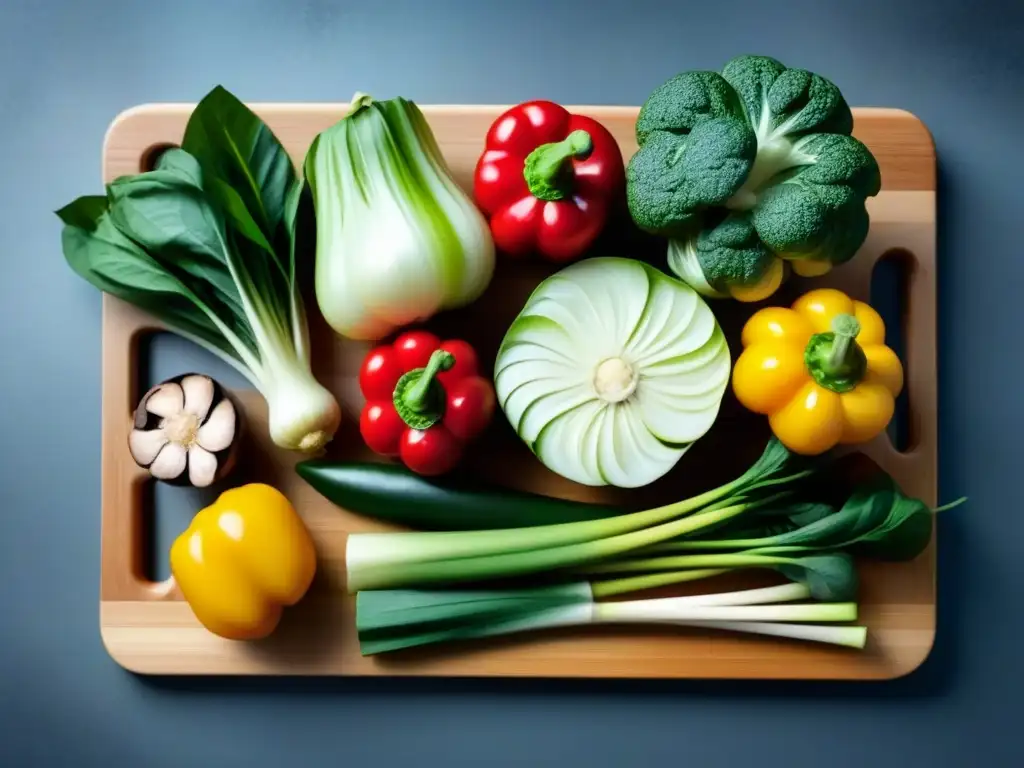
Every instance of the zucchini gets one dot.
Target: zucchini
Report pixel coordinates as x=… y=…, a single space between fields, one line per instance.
x=391 y=493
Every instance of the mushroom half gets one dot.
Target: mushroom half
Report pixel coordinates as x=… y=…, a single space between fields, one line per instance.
x=186 y=431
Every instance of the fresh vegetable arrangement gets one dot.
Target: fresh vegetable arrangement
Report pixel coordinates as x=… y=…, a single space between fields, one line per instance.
x=547 y=180
x=425 y=399
x=609 y=374
x=749 y=171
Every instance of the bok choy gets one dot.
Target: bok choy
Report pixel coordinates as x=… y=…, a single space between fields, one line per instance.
x=206 y=243
x=390 y=620
x=397 y=239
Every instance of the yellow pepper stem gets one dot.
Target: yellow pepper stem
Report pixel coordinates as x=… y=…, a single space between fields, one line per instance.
x=834 y=359
x=845 y=328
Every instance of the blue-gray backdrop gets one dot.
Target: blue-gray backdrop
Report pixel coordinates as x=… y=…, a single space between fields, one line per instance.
x=66 y=68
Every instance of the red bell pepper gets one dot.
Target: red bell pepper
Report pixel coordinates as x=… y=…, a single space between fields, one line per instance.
x=425 y=400
x=547 y=180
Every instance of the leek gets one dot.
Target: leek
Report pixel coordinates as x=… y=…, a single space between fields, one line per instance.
x=411 y=559
x=390 y=620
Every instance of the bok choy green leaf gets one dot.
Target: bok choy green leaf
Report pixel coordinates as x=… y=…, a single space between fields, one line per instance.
x=206 y=243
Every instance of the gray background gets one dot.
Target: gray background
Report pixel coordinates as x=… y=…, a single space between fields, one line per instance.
x=66 y=68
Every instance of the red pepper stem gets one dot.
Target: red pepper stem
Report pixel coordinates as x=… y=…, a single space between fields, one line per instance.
x=545 y=168
x=418 y=396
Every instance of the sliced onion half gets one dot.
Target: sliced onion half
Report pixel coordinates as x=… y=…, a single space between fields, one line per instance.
x=612 y=371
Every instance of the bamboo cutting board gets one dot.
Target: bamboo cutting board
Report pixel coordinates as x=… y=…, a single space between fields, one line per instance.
x=148 y=628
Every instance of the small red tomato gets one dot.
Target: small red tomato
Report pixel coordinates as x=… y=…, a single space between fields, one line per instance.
x=381 y=427
x=413 y=348
x=432 y=451
x=470 y=406
x=466 y=362
x=379 y=374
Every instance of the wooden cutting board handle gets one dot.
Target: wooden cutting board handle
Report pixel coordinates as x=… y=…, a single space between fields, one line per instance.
x=123 y=572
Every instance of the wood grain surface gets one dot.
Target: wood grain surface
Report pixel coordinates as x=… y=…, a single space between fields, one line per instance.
x=148 y=628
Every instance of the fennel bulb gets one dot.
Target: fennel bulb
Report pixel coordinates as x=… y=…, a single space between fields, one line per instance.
x=397 y=239
x=611 y=371
x=205 y=243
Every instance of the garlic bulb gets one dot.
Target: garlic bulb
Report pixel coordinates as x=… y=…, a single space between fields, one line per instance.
x=186 y=431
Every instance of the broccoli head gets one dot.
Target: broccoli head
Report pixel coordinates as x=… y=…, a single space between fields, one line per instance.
x=748 y=169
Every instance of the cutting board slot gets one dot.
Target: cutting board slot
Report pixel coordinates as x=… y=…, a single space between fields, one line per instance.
x=168 y=513
x=890 y=295
x=151 y=156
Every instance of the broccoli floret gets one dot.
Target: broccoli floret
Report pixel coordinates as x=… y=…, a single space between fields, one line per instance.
x=682 y=102
x=732 y=253
x=696 y=150
x=674 y=177
x=717 y=258
x=817 y=211
x=747 y=167
x=782 y=102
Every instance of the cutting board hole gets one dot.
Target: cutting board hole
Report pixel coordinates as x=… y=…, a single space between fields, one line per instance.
x=167 y=513
x=890 y=283
x=167 y=510
x=151 y=156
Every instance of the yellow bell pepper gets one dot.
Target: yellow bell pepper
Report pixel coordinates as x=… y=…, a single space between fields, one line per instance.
x=243 y=559
x=819 y=370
